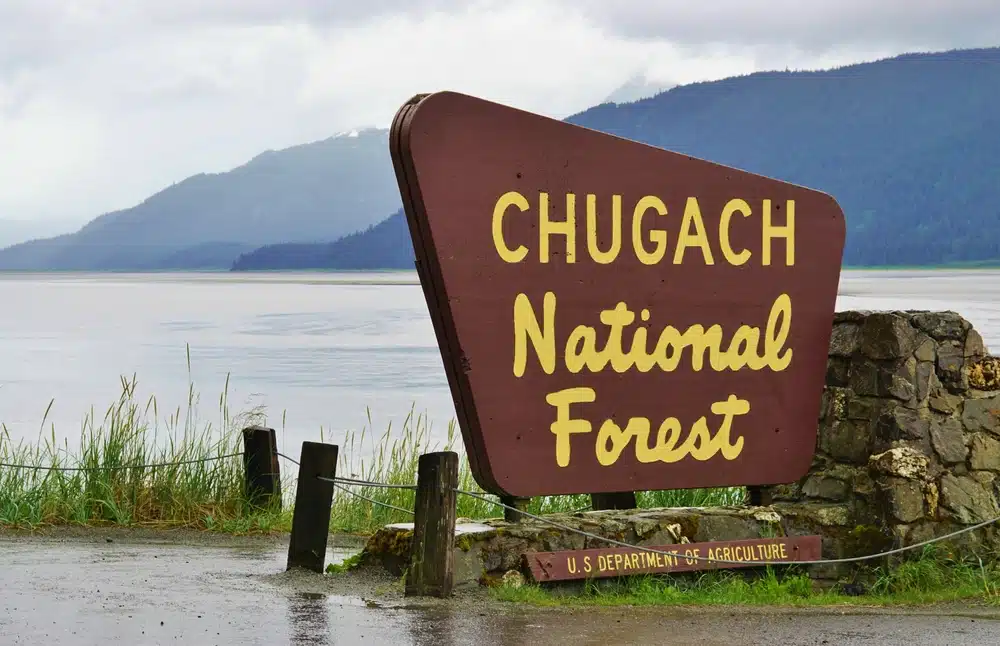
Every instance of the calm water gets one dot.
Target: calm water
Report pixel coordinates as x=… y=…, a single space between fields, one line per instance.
x=316 y=348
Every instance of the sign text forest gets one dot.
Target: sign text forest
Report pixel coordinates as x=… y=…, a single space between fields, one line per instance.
x=614 y=316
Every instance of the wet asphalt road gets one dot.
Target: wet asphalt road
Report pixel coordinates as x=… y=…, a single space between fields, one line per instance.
x=65 y=592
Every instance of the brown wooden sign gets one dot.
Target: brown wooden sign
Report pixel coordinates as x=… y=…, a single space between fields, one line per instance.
x=613 y=316
x=602 y=563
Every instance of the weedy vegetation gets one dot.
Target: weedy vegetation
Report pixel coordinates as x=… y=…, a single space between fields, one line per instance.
x=134 y=467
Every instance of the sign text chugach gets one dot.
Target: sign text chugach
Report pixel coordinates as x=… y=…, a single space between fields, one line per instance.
x=625 y=348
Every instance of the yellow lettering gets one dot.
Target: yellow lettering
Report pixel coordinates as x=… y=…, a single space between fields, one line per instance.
x=586 y=564
x=602 y=563
x=635 y=561
x=564 y=426
x=547 y=227
x=775 y=339
x=581 y=351
x=649 y=241
x=507 y=200
x=618 y=561
x=618 y=439
x=657 y=236
x=729 y=409
x=616 y=320
x=667 y=437
x=526 y=328
x=685 y=239
x=732 y=206
x=742 y=348
x=604 y=257
x=571 y=564
x=771 y=231
x=727 y=554
x=784 y=554
x=701 y=443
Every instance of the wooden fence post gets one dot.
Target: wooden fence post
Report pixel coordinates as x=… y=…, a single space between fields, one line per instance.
x=520 y=504
x=313 y=499
x=619 y=500
x=432 y=550
x=759 y=496
x=262 y=472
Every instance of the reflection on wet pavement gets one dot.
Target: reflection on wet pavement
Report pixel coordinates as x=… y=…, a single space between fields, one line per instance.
x=63 y=593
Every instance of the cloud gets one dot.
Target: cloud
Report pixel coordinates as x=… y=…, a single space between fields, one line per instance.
x=806 y=25
x=103 y=102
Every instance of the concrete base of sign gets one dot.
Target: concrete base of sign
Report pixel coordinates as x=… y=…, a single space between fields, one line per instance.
x=908 y=449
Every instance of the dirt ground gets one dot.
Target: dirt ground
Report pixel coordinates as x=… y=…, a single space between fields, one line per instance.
x=86 y=586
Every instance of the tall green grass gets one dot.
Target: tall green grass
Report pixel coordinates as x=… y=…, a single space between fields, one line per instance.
x=116 y=477
x=120 y=482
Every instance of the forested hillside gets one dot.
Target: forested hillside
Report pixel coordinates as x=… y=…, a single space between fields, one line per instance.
x=383 y=246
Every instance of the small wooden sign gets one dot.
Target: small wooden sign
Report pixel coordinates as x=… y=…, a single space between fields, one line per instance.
x=685 y=557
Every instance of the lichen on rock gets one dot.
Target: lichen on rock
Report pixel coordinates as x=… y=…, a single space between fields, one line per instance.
x=904 y=461
x=984 y=373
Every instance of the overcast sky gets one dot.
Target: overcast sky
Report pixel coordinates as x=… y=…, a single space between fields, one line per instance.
x=103 y=102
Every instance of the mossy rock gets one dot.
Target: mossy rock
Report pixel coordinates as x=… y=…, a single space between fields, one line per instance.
x=464 y=542
x=346 y=565
x=866 y=539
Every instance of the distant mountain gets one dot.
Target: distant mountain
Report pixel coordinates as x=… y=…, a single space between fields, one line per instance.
x=14 y=231
x=205 y=256
x=636 y=88
x=383 y=246
x=909 y=146
x=313 y=192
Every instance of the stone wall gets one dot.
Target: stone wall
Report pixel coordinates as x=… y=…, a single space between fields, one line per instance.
x=908 y=449
x=909 y=433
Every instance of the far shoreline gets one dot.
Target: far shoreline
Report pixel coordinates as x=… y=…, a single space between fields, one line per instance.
x=225 y=275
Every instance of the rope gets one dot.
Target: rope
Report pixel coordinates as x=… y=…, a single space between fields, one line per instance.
x=715 y=560
x=350 y=481
x=353 y=481
x=371 y=500
x=120 y=467
x=366 y=483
